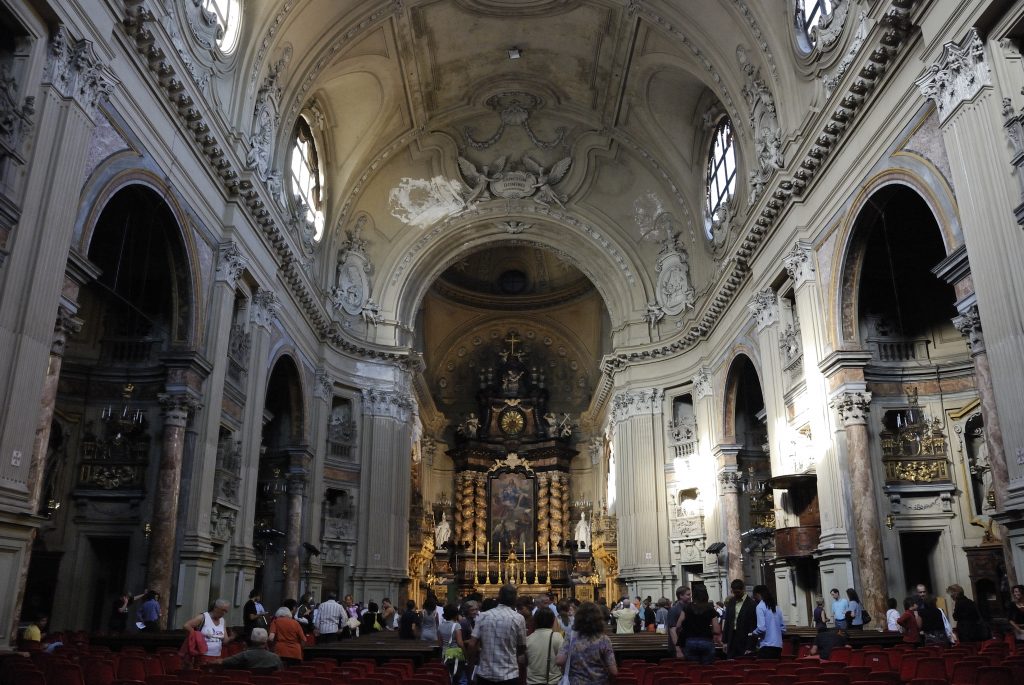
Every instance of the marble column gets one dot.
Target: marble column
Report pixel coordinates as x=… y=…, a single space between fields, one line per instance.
x=833 y=554
x=197 y=552
x=320 y=416
x=765 y=309
x=242 y=562
x=970 y=110
x=729 y=488
x=74 y=84
x=853 y=409
x=969 y=325
x=645 y=559
x=177 y=409
x=298 y=477
x=66 y=325
x=382 y=557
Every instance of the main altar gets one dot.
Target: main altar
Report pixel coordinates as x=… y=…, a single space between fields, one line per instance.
x=513 y=518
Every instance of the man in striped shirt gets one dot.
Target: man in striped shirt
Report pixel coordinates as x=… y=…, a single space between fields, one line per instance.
x=329 y=618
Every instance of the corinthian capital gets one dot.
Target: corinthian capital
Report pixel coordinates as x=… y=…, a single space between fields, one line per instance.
x=66 y=324
x=391 y=403
x=230 y=264
x=731 y=482
x=764 y=307
x=640 y=402
x=799 y=264
x=264 y=307
x=969 y=325
x=178 y=408
x=852 y=407
x=701 y=385
x=958 y=76
x=74 y=71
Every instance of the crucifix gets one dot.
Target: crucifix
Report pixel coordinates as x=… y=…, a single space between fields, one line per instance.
x=512 y=339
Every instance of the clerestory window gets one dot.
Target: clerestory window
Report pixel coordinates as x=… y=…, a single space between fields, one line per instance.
x=305 y=176
x=721 y=171
x=229 y=18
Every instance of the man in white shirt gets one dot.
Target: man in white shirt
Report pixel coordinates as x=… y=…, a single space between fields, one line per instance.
x=329 y=618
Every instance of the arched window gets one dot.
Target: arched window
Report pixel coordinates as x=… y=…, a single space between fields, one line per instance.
x=721 y=174
x=229 y=17
x=305 y=174
x=809 y=14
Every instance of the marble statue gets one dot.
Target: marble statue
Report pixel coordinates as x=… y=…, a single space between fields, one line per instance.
x=583 y=531
x=442 y=531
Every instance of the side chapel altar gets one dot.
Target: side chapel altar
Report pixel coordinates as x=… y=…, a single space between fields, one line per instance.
x=513 y=521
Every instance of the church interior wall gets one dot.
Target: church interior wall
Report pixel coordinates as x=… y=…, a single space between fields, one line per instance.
x=365 y=383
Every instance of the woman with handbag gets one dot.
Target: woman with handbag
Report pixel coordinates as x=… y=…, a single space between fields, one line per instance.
x=587 y=657
x=453 y=649
x=542 y=647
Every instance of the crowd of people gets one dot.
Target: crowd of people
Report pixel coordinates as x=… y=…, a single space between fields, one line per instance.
x=514 y=639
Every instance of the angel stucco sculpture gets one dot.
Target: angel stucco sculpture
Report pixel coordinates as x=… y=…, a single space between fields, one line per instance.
x=478 y=180
x=546 y=178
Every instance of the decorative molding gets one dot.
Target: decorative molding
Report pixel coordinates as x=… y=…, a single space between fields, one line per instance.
x=764 y=122
x=15 y=117
x=266 y=119
x=832 y=81
x=675 y=292
x=960 y=73
x=323 y=385
x=799 y=264
x=830 y=26
x=231 y=264
x=969 y=325
x=524 y=179
x=268 y=38
x=512 y=462
x=222 y=522
x=265 y=306
x=206 y=30
x=66 y=325
x=764 y=307
x=762 y=41
x=514 y=108
x=389 y=403
x=632 y=403
x=74 y=71
x=701 y=385
x=853 y=407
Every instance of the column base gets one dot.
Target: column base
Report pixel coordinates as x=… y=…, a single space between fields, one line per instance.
x=16 y=537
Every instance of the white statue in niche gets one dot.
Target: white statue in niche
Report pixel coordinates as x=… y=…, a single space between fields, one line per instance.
x=583 y=531
x=442 y=531
x=981 y=471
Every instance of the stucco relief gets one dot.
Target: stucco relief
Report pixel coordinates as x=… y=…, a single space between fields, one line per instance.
x=351 y=293
x=266 y=117
x=675 y=291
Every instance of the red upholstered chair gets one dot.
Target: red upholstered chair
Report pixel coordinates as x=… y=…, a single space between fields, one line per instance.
x=190 y=676
x=995 y=675
x=857 y=657
x=131 y=667
x=841 y=654
x=890 y=677
x=671 y=679
x=30 y=677
x=877 y=662
x=126 y=681
x=60 y=673
x=858 y=673
x=832 y=666
x=930 y=668
x=867 y=682
x=265 y=680
x=170 y=661
x=781 y=679
x=725 y=680
x=928 y=681
x=234 y=675
x=908 y=666
x=965 y=672
x=98 y=671
x=370 y=664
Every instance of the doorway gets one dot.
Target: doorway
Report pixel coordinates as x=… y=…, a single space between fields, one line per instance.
x=917 y=550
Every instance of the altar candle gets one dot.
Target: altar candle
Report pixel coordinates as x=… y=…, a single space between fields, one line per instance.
x=549 y=563
x=536 y=561
x=476 y=562
x=488 y=562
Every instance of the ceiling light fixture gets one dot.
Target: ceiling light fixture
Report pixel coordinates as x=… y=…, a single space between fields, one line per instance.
x=514 y=53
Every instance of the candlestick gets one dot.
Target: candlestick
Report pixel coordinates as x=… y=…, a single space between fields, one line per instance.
x=549 y=564
x=536 y=562
x=499 y=562
x=524 y=561
x=476 y=562
x=488 y=564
